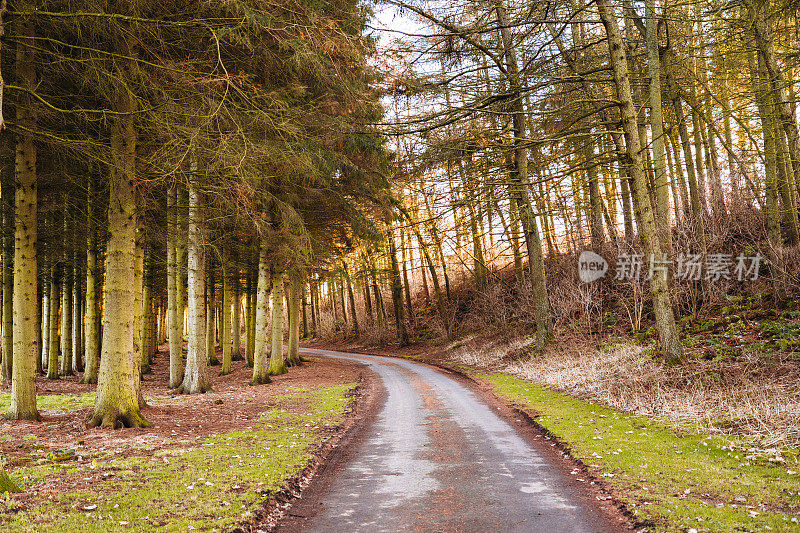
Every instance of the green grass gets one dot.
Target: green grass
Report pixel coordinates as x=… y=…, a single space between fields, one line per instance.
x=676 y=482
x=61 y=403
x=220 y=483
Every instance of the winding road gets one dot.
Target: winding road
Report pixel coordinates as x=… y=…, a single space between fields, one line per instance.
x=438 y=458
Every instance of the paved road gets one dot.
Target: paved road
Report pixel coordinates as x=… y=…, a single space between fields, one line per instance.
x=437 y=458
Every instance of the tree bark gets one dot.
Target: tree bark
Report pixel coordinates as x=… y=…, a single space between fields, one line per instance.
x=295 y=292
x=211 y=302
x=277 y=363
x=260 y=353
x=194 y=377
x=397 y=292
x=174 y=302
x=117 y=397
x=520 y=188
x=52 y=337
x=236 y=317
x=657 y=128
x=25 y=299
x=225 y=330
x=355 y=330
x=671 y=346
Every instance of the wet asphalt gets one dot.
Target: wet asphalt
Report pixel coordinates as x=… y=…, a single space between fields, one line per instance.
x=437 y=458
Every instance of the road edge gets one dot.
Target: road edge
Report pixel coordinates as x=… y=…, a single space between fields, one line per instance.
x=368 y=397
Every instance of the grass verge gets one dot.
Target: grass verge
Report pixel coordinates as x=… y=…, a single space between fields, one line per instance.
x=214 y=486
x=672 y=481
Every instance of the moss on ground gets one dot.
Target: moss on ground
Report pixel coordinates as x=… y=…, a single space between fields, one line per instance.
x=677 y=482
x=215 y=486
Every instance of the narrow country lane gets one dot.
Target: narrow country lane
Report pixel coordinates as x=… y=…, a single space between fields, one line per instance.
x=437 y=458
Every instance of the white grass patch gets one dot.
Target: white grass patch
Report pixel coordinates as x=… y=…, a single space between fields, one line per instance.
x=748 y=397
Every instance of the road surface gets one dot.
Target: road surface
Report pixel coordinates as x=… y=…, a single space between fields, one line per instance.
x=437 y=458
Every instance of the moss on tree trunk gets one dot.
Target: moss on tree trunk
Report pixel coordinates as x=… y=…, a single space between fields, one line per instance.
x=117 y=397
x=26 y=298
x=295 y=293
x=277 y=363
x=260 y=353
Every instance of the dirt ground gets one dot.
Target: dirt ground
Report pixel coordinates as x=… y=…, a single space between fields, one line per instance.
x=176 y=420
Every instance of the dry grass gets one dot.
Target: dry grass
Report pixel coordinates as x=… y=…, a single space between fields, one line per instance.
x=750 y=397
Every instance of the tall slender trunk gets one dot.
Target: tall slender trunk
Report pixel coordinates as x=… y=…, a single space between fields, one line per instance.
x=174 y=305
x=355 y=330
x=117 y=398
x=261 y=341
x=77 y=323
x=520 y=187
x=211 y=302
x=52 y=337
x=657 y=128
x=304 y=303
x=147 y=309
x=277 y=363
x=138 y=285
x=25 y=299
x=236 y=317
x=225 y=330
x=397 y=292
x=7 y=198
x=250 y=307
x=314 y=313
x=766 y=113
x=45 y=314
x=671 y=346
x=66 y=306
x=295 y=291
x=194 y=376
x=406 y=284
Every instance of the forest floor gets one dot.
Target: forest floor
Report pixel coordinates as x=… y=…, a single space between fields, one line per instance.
x=710 y=444
x=225 y=460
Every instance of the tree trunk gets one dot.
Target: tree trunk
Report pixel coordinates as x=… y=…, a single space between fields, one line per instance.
x=211 y=302
x=236 y=317
x=117 y=397
x=304 y=303
x=52 y=337
x=225 y=329
x=138 y=284
x=352 y=301
x=657 y=128
x=766 y=113
x=314 y=313
x=397 y=293
x=77 y=323
x=671 y=346
x=260 y=347
x=406 y=284
x=520 y=188
x=147 y=311
x=7 y=198
x=66 y=306
x=194 y=376
x=295 y=292
x=45 y=314
x=26 y=297
x=250 y=308
x=174 y=305
x=277 y=364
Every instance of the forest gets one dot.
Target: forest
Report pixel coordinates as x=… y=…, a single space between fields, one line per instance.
x=600 y=198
